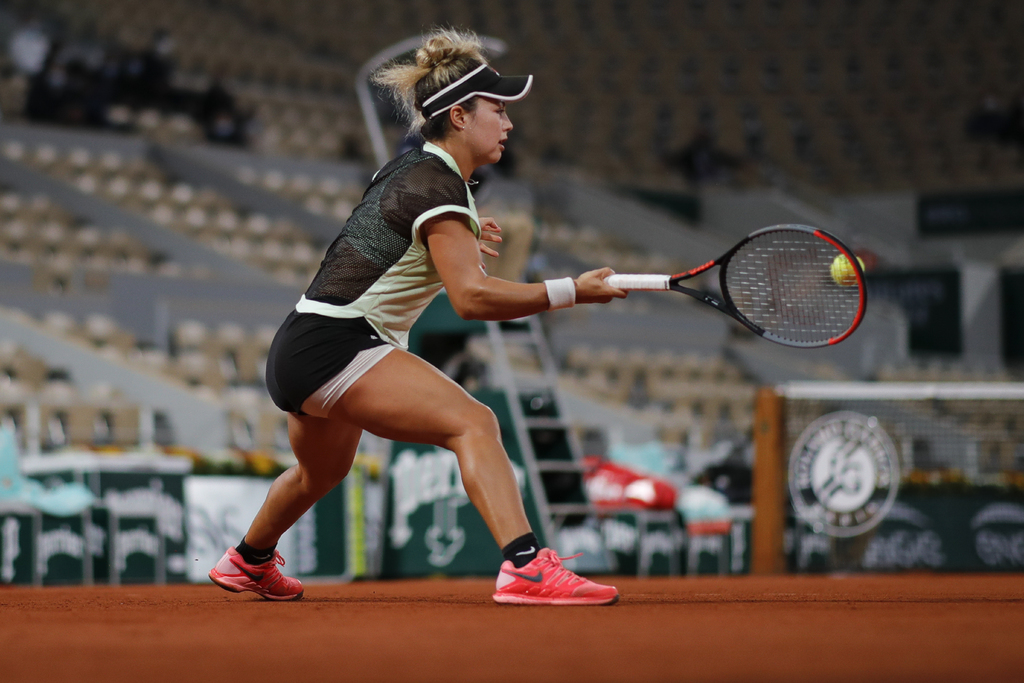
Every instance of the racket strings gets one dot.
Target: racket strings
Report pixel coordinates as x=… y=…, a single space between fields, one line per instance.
x=782 y=282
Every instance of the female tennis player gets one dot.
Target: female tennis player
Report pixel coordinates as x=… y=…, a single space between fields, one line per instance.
x=338 y=364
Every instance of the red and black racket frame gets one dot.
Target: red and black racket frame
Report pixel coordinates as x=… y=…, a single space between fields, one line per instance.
x=726 y=306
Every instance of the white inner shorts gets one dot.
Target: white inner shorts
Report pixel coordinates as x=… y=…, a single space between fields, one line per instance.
x=321 y=401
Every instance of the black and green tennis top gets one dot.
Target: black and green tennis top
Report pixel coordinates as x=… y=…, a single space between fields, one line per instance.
x=379 y=268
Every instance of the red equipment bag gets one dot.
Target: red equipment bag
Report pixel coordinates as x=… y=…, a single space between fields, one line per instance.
x=614 y=486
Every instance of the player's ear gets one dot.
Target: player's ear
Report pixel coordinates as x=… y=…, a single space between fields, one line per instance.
x=457 y=117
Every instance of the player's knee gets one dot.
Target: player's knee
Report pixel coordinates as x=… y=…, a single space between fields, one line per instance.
x=482 y=422
x=318 y=484
x=472 y=420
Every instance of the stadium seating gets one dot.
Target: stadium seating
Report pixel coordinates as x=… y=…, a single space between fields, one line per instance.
x=841 y=99
x=38 y=233
x=224 y=364
x=66 y=415
x=689 y=398
x=327 y=196
x=141 y=186
x=849 y=97
x=595 y=247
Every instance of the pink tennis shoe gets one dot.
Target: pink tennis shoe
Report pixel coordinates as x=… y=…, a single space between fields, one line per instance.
x=236 y=575
x=545 y=581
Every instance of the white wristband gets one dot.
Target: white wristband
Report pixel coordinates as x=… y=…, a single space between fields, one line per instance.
x=561 y=293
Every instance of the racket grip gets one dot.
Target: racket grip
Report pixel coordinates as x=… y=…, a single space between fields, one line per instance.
x=635 y=282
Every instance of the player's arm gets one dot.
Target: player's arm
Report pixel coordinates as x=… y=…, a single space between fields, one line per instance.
x=476 y=296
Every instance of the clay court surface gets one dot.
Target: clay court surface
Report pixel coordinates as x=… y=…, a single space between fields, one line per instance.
x=858 y=628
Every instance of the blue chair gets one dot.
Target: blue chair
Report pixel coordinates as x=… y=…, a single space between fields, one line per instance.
x=60 y=501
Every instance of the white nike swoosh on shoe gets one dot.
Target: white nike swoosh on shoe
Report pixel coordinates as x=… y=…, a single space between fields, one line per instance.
x=527 y=552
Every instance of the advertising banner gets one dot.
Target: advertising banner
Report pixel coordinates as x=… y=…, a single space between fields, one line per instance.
x=147 y=488
x=974 y=533
x=970 y=213
x=644 y=542
x=652 y=544
x=221 y=508
x=138 y=550
x=60 y=551
x=939 y=532
x=17 y=543
x=430 y=525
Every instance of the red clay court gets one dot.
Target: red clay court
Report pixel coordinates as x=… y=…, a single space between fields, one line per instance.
x=910 y=627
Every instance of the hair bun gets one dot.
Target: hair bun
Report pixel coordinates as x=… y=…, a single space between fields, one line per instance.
x=445 y=56
x=438 y=51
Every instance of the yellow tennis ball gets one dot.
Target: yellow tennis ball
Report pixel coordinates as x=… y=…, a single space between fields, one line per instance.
x=843 y=272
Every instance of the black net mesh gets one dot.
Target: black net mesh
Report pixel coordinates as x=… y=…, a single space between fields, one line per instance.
x=974 y=437
x=782 y=282
x=379 y=231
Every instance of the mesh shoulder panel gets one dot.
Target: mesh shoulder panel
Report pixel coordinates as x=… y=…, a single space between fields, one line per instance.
x=419 y=188
x=379 y=231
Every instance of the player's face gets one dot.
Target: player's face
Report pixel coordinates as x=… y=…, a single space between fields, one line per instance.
x=487 y=130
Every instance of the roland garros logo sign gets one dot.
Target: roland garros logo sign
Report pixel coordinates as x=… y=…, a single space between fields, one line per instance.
x=843 y=474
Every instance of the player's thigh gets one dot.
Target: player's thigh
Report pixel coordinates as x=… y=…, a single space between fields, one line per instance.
x=404 y=398
x=324 y=448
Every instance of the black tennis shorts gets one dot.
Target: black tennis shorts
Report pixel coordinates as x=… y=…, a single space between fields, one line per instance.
x=311 y=349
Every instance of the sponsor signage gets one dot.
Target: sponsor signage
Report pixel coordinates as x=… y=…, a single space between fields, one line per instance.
x=60 y=551
x=998 y=530
x=970 y=213
x=844 y=473
x=16 y=546
x=940 y=532
x=221 y=508
x=431 y=527
x=907 y=539
x=970 y=533
x=646 y=544
x=931 y=301
x=134 y=493
x=137 y=551
x=145 y=515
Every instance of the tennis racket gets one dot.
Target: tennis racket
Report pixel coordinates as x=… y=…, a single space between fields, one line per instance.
x=786 y=283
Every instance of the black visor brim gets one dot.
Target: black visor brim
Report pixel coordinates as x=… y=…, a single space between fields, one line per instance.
x=482 y=82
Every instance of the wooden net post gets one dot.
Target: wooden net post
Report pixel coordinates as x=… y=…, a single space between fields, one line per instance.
x=769 y=485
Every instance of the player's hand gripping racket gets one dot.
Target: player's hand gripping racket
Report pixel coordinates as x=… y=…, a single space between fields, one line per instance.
x=791 y=284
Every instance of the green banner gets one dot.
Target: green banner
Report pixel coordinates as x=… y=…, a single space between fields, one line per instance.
x=323 y=543
x=642 y=546
x=132 y=487
x=137 y=549
x=656 y=547
x=940 y=532
x=60 y=549
x=931 y=301
x=1012 y=290
x=17 y=545
x=430 y=525
x=150 y=508
x=970 y=213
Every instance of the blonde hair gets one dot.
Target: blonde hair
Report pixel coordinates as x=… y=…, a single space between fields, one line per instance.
x=445 y=56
